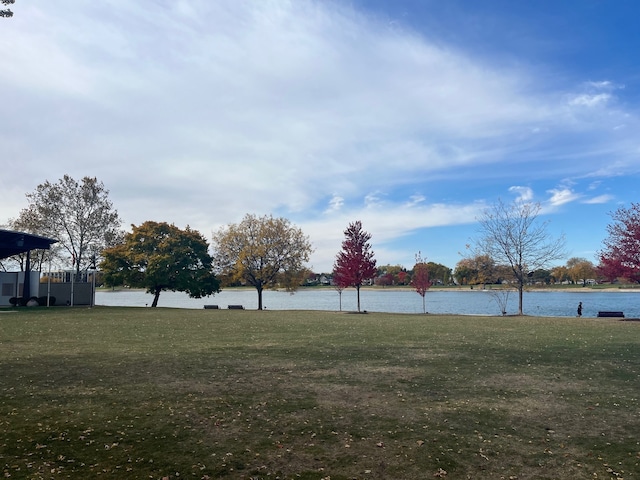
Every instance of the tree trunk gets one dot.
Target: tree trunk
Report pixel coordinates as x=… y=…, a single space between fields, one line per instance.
x=259 y=288
x=26 y=285
x=358 y=290
x=156 y=296
x=520 y=290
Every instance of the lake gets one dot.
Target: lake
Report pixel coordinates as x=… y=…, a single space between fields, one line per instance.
x=466 y=302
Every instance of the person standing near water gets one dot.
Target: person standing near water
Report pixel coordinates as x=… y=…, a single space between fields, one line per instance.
x=580 y=309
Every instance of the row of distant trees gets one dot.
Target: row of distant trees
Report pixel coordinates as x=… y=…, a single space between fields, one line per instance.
x=266 y=252
x=483 y=270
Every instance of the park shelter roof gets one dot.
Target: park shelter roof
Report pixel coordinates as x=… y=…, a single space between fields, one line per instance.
x=13 y=243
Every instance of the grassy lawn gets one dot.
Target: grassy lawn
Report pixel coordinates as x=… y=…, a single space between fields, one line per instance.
x=127 y=393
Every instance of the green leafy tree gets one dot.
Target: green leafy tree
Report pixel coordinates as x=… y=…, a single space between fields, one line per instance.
x=541 y=275
x=465 y=272
x=78 y=214
x=439 y=272
x=159 y=257
x=263 y=252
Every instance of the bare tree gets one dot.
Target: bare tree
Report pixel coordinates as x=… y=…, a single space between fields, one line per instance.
x=77 y=214
x=501 y=297
x=511 y=234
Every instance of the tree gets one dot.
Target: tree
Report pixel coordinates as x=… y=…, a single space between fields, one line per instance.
x=580 y=270
x=621 y=254
x=510 y=234
x=439 y=273
x=560 y=274
x=501 y=297
x=420 y=279
x=263 y=252
x=384 y=280
x=7 y=12
x=339 y=289
x=541 y=275
x=77 y=214
x=159 y=257
x=355 y=263
x=476 y=270
x=465 y=272
x=340 y=282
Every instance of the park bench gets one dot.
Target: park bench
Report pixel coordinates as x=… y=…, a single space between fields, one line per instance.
x=211 y=307
x=235 y=307
x=611 y=314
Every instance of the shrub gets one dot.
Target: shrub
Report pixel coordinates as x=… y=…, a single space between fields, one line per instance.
x=42 y=301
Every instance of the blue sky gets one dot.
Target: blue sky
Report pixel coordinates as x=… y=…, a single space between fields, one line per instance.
x=410 y=115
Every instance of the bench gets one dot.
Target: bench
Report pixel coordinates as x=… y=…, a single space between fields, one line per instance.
x=211 y=307
x=235 y=307
x=611 y=314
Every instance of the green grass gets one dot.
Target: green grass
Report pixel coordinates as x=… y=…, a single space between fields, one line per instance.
x=128 y=393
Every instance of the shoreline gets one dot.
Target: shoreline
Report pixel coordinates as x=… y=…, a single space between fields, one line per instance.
x=467 y=288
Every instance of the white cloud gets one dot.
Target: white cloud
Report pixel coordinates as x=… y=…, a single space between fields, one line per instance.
x=415 y=200
x=372 y=200
x=525 y=194
x=561 y=196
x=590 y=101
x=599 y=199
x=335 y=204
x=603 y=84
x=387 y=222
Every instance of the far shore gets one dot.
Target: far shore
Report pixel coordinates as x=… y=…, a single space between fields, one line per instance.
x=487 y=288
x=461 y=288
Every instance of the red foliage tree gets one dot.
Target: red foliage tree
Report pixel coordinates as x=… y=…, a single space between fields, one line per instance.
x=354 y=263
x=420 y=280
x=385 y=280
x=621 y=255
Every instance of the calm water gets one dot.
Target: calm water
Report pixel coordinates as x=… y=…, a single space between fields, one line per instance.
x=477 y=302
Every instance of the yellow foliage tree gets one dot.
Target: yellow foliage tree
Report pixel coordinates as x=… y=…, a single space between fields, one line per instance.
x=263 y=252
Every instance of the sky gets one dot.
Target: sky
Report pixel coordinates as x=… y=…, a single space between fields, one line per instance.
x=412 y=116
